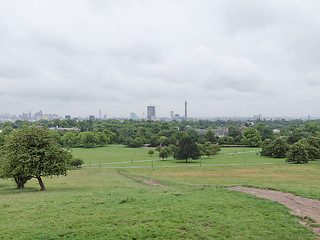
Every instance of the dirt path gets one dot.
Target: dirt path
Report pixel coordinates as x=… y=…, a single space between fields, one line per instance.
x=300 y=206
x=149 y=182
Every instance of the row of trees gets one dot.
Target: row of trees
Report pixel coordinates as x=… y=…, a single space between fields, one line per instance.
x=137 y=133
x=301 y=151
x=187 y=148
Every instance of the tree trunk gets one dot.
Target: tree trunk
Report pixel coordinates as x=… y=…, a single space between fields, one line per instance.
x=43 y=188
x=20 y=182
x=186 y=159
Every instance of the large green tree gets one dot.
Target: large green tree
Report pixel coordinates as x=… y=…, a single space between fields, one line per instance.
x=32 y=153
x=187 y=148
x=277 y=148
x=298 y=153
x=251 y=137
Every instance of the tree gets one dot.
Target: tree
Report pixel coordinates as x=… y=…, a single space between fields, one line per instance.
x=264 y=131
x=135 y=143
x=312 y=128
x=251 y=137
x=172 y=148
x=233 y=131
x=210 y=136
x=102 y=138
x=76 y=162
x=314 y=147
x=151 y=152
x=226 y=140
x=7 y=130
x=164 y=153
x=209 y=149
x=32 y=153
x=277 y=148
x=88 y=139
x=2 y=139
x=187 y=148
x=70 y=139
x=298 y=153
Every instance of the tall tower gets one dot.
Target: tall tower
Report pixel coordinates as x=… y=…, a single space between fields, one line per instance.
x=100 y=114
x=185 y=110
x=151 y=113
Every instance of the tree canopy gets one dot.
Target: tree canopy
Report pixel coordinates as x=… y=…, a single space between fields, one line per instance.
x=187 y=148
x=32 y=153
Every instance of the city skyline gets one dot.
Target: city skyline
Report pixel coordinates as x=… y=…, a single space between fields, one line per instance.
x=227 y=58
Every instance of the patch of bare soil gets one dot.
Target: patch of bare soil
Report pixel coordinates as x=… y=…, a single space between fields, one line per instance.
x=149 y=182
x=300 y=206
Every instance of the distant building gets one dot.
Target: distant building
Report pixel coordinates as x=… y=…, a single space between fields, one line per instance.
x=65 y=129
x=172 y=115
x=221 y=132
x=133 y=116
x=92 y=117
x=67 y=117
x=185 y=109
x=177 y=117
x=151 y=113
x=276 y=131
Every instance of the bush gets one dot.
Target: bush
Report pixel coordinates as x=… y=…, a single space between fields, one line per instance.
x=76 y=163
x=298 y=153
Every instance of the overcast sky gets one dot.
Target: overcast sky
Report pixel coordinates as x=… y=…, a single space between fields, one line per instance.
x=225 y=57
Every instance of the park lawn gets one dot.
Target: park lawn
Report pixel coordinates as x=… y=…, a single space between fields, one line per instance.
x=111 y=153
x=121 y=156
x=102 y=204
x=300 y=179
x=238 y=158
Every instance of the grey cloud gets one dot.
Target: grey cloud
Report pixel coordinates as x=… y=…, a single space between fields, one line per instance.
x=237 y=57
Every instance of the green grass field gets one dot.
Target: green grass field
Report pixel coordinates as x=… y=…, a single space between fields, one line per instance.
x=102 y=204
x=120 y=156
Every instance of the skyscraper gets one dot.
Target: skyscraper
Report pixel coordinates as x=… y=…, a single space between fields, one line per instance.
x=172 y=114
x=185 y=110
x=151 y=113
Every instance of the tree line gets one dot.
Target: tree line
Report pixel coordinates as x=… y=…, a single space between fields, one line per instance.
x=138 y=133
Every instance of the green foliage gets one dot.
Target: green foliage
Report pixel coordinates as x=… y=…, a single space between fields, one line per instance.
x=70 y=139
x=187 y=148
x=7 y=130
x=135 y=143
x=314 y=147
x=164 y=153
x=172 y=148
x=277 y=148
x=210 y=136
x=88 y=139
x=150 y=152
x=234 y=132
x=264 y=131
x=298 y=153
x=251 y=137
x=294 y=136
x=32 y=153
x=226 y=140
x=2 y=139
x=208 y=149
x=76 y=162
x=312 y=128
